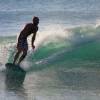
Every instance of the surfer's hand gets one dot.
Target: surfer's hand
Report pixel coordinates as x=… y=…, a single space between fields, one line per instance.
x=33 y=47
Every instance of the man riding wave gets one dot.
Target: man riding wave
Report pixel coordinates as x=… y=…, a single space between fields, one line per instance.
x=22 y=45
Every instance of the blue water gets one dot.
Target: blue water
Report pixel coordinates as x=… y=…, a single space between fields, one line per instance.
x=66 y=62
x=15 y=14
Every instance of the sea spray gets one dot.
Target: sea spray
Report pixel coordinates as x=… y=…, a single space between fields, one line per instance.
x=79 y=43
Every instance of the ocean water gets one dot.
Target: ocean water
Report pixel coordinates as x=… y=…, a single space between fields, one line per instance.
x=65 y=64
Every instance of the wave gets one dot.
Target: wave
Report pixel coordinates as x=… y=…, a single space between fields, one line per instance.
x=75 y=47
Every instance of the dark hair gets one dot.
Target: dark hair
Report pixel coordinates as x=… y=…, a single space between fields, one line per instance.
x=35 y=19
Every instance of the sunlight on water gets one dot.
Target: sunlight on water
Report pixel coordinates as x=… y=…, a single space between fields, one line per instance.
x=65 y=64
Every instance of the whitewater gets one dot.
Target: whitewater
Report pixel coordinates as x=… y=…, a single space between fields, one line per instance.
x=65 y=64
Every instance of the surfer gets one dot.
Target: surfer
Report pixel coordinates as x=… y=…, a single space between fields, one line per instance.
x=22 y=45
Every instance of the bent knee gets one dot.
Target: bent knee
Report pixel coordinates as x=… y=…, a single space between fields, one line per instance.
x=25 y=53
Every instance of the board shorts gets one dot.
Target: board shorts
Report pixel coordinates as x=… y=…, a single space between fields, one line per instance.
x=22 y=44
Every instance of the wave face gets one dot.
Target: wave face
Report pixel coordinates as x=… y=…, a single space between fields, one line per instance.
x=62 y=60
x=66 y=61
x=75 y=47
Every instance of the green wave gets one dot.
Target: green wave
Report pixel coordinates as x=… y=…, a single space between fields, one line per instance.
x=81 y=48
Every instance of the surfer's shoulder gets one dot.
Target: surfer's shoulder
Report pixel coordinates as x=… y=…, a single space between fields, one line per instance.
x=29 y=24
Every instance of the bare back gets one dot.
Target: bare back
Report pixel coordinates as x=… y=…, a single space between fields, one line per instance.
x=28 y=29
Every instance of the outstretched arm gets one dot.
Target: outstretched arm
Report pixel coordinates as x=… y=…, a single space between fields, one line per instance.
x=33 y=39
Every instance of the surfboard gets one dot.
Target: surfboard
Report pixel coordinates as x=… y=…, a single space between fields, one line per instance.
x=15 y=75
x=14 y=67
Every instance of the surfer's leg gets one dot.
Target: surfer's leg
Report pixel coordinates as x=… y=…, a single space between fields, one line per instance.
x=24 y=48
x=16 y=56
x=22 y=57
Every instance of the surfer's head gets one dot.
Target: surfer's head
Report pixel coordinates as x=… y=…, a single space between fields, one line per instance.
x=35 y=20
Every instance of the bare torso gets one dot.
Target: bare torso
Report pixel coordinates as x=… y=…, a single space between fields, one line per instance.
x=28 y=30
